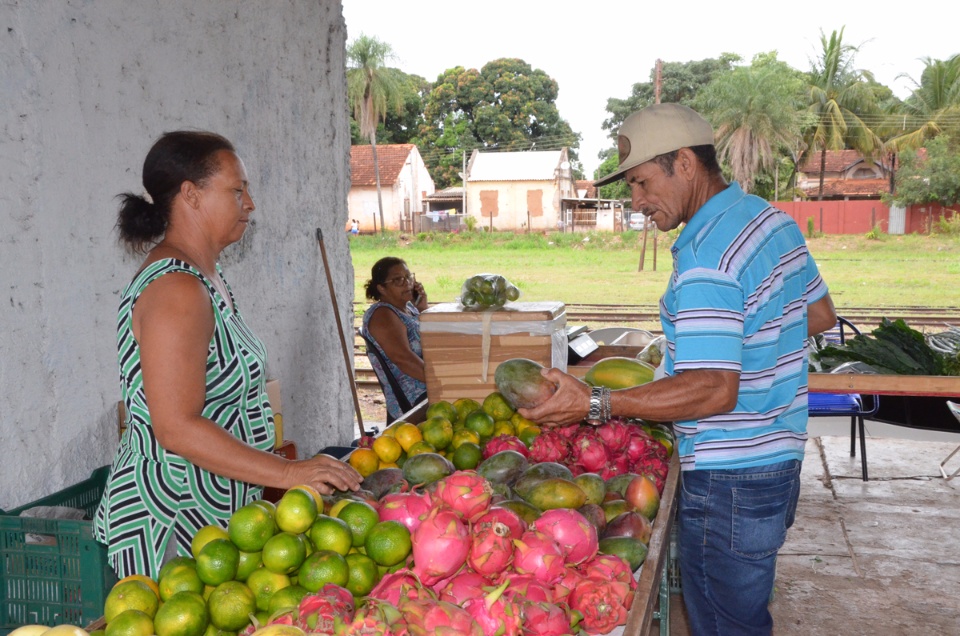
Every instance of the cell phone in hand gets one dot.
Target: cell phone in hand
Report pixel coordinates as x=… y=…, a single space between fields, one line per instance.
x=416 y=296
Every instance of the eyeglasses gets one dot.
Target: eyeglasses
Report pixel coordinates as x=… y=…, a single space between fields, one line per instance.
x=402 y=281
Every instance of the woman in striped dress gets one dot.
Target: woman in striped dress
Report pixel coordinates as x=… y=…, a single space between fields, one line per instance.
x=199 y=426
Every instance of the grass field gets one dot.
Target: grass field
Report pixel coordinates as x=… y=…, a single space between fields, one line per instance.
x=900 y=271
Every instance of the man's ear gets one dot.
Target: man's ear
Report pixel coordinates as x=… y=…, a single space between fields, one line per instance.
x=686 y=163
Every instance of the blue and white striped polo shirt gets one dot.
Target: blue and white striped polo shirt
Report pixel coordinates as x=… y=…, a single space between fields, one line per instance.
x=737 y=301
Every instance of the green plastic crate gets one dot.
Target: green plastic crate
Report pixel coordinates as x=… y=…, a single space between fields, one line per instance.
x=65 y=578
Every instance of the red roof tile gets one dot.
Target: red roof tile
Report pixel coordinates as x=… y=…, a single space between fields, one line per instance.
x=849 y=187
x=586 y=184
x=836 y=161
x=391 y=158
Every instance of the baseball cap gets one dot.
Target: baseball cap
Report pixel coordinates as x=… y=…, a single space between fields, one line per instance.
x=656 y=130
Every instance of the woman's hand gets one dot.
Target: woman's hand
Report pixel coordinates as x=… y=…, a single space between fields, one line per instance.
x=419 y=296
x=325 y=474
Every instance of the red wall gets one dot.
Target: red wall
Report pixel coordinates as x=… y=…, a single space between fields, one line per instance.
x=859 y=217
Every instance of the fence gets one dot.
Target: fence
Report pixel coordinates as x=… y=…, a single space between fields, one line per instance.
x=859 y=217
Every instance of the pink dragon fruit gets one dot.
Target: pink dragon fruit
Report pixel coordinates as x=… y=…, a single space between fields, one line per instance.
x=566 y=584
x=505 y=516
x=603 y=603
x=618 y=464
x=463 y=586
x=575 y=535
x=318 y=612
x=588 y=450
x=396 y=585
x=546 y=619
x=496 y=615
x=465 y=491
x=374 y=618
x=538 y=554
x=491 y=551
x=502 y=443
x=549 y=446
x=440 y=546
x=568 y=432
x=409 y=508
x=609 y=567
x=615 y=434
x=527 y=587
x=437 y=618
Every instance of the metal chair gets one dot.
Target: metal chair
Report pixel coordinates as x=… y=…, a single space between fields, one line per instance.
x=840 y=404
x=955 y=409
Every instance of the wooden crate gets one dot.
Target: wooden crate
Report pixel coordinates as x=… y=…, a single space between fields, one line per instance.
x=462 y=348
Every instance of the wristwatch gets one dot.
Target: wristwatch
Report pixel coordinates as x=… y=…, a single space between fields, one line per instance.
x=595 y=413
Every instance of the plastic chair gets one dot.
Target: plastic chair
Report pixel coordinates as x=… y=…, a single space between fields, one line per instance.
x=840 y=404
x=955 y=409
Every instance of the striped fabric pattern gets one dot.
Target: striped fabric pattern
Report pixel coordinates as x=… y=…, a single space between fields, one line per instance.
x=152 y=494
x=737 y=301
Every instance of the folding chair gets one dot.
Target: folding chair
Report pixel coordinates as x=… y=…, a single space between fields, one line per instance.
x=955 y=409
x=840 y=404
x=387 y=377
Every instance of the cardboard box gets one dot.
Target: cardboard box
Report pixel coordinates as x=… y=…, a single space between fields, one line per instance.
x=462 y=348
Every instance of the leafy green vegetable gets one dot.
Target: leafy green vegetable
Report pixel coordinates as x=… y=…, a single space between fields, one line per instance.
x=892 y=348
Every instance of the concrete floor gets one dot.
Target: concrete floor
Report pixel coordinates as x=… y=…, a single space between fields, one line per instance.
x=880 y=558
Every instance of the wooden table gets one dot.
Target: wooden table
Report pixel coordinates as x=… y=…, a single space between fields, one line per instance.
x=866 y=383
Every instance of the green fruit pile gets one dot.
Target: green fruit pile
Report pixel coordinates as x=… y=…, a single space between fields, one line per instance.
x=484 y=291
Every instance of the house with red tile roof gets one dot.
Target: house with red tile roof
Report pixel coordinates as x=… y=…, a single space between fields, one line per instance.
x=405 y=184
x=847 y=176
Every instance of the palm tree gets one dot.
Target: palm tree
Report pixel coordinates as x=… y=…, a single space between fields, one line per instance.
x=839 y=98
x=932 y=108
x=372 y=88
x=755 y=113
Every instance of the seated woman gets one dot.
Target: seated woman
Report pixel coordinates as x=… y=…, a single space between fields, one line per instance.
x=391 y=328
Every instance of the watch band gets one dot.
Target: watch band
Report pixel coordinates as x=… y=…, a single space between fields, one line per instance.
x=596 y=405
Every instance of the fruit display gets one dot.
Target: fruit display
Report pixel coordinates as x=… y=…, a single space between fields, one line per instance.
x=486 y=291
x=474 y=521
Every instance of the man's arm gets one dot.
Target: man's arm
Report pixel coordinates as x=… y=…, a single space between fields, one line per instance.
x=821 y=316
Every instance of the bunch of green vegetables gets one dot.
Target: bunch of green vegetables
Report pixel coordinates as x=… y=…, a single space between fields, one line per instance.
x=892 y=348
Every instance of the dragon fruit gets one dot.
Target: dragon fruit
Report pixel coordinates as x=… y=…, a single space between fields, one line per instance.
x=575 y=535
x=618 y=464
x=496 y=615
x=505 y=516
x=568 y=432
x=374 y=618
x=437 y=618
x=491 y=551
x=588 y=450
x=466 y=492
x=609 y=567
x=538 y=554
x=318 y=612
x=546 y=619
x=502 y=443
x=440 y=546
x=396 y=585
x=527 y=587
x=409 y=508
x=463 y=586
x=566 y=584
x=615 y=434
x=549 y=446
x=602 y=602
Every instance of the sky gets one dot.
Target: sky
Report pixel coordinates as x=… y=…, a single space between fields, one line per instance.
x=598 y=49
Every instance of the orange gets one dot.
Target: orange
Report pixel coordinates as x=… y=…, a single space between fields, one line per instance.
x=504 y=427
x=387 y=449
x=181 y=578
x=218 y=561
x=365 y=461
x=465 y=406
x=462 y=436
x=360 y=518
x=364 y=574
x=322 y=567
x=528 y=434
x=438 y=431
x=388 y=543
x=317 y=497
x=520 y=422
x=230 y=606
x=467 y=456
x=408 y=435
x=284 y=552
x=249 y=561
x=183 y=614
x=331 y=533
x=130 y=595
x=205 y=535
x=443 y=409
x=296 y=511
x=481 y=423
x=264 y=583
x=130 y=623
x=250 y=527
x=497 y=406
x=421 y=447
x=389 y=465
x=269 y=506
x=146 y=580
x=338 y=506
x=287 y=598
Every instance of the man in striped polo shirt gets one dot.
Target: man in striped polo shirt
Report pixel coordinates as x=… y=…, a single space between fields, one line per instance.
x=744 y=296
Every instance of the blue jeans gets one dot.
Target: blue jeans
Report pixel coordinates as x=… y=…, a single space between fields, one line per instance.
x=731 y=524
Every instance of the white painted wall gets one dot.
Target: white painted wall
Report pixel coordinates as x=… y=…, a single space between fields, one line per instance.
x=512 y=204
x=413 y=181
x=86 y=88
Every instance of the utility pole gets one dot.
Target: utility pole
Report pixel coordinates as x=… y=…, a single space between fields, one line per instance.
x=657 y=83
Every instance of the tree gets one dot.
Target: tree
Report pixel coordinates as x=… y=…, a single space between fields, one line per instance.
x=398 y=126
x=506 y=105
x=755 y=113
x=839 y=97
x=680 y=83
x=932 y=108
x=371 y=89
x=933 y=179
x=617 y=189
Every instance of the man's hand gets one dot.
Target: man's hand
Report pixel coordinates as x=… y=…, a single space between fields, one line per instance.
x=569 y=405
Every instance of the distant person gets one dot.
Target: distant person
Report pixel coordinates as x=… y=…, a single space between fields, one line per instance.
x=355 y=226
x=200 y=433
x=744 y=295
x=391 y=326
